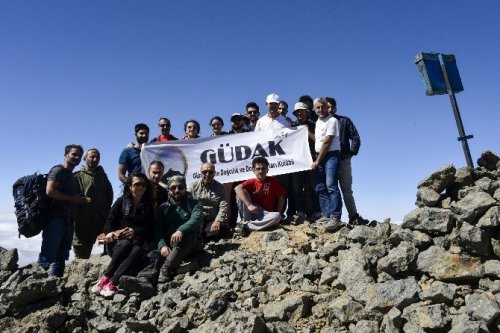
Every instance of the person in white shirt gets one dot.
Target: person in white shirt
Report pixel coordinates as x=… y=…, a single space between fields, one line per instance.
x=273 y=119
x=326 y=164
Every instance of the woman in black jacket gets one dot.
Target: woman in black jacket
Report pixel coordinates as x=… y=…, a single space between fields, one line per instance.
x=129 y=226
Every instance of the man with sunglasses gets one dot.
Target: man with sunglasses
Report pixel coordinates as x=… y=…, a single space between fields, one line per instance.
x=178 y=221
x=261 y=199
x=164 y=125
x=253 y=114
x=210 y=193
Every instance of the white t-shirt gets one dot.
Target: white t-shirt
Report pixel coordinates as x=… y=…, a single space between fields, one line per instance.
x=267 y=123
x=327 y=126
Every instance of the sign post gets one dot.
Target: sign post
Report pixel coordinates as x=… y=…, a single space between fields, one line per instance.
x=440 y=75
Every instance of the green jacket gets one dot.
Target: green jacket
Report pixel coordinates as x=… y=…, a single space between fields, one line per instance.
x=186 y=217
x=92 y=216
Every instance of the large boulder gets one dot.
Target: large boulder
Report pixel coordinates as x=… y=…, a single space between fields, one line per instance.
x=429 y=220
x=472 y=206
x=440 y=179
x=446 y=266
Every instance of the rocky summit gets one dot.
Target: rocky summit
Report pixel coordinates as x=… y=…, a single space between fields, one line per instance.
x=438 y=271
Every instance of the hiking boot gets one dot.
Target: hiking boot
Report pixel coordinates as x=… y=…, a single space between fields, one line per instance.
x=241 y=230
x=298 y=218
x=96 y=289
x=108 y=290
x=358 y=220
x=165 y=275
x=334 y=225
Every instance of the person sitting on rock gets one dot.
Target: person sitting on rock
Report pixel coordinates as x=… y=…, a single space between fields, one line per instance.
x=212 y=196
x=178 y=221
x=129 y=226
x=261 y=200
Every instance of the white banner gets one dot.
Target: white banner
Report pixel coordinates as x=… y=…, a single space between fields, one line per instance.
x=287 y=150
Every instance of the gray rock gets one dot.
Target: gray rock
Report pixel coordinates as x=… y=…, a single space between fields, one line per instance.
x=353 y=273
x=496 y=195
x=491 y=218
x=398 y=293
x=427 y=197
x=421 y=240
x=429 y=220
x=429 y=317
x=487 y=185
x=439 y=292
x=398 y=260
x=468 y=326
x=276 y=240
x=292 y=307
x=492 y=268
x=103 y=325
x=399 y=235
x=482 y=307
x=331 y=249
x=488 y=160
x=307 y=265
x=363 y=235
x=440 y=179
x=464 y=177
x=329 y=273
x=472 y=239
x=472 y=206
x=445 y=266
x=346 y=310
x=495 y=246
x=366 y=326
x=8 y=259
x=392 y=322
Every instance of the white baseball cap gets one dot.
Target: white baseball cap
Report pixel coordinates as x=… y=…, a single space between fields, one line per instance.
x=272 y=98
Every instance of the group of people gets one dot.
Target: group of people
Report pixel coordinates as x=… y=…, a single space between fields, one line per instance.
x=171 y=220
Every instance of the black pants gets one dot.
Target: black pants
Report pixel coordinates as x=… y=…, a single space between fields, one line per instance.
x=126 y=257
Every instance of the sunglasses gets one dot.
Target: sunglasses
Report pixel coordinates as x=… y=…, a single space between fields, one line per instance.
x=252 y=112
x=176 y=187
x=210 y=172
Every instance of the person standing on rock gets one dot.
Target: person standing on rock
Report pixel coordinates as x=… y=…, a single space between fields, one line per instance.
x=93 y=184
x=164 y=125
x=253 y=114
x=178 y=222
x=210 y=193
x=130 y=226
x=326 y=166
x=349 y=147
x=159 y=194
x=130 y=158
x=261 y=199
x=57 y=235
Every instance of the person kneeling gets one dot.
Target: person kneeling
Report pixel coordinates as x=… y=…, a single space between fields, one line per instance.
x=261 y=200
x=178 y=221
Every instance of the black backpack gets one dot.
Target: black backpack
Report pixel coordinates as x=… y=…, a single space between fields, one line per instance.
x=31 y=203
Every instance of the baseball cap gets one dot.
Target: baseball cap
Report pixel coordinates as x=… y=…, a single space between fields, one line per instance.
x=236 y=116
x=272 y=98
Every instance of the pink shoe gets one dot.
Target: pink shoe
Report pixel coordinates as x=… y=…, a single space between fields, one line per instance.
x=109 y=289
x=104 y=280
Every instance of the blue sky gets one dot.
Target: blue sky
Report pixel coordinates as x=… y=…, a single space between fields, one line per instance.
x=86 y=71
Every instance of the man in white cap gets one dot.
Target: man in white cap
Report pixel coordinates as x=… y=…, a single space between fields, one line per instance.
x=273 y=119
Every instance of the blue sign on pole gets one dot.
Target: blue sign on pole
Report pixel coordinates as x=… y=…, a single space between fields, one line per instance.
x=429 y=66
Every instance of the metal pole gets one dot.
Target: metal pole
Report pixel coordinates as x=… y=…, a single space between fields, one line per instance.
x=463 y=138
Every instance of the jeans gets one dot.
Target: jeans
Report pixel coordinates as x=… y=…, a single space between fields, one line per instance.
x=56 y=244
x=345 y=181
x=327 y=185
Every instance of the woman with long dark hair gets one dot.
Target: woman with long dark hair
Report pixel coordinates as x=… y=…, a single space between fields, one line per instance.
x=129 y=226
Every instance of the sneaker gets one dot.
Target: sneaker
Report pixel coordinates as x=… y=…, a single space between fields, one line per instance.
x=241 y=230
x=96 y=289
x=109 y=289
x=323 y=219
x=334 y=225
